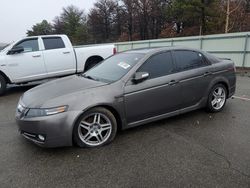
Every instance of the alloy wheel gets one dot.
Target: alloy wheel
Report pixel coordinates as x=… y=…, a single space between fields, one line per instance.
x=218 y=98
x=94 y=129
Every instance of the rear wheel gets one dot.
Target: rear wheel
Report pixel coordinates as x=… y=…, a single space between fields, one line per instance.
x=217 y=98
x=95 y=128
x=3 y=85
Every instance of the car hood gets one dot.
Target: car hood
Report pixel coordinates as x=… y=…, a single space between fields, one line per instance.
x=36 y=97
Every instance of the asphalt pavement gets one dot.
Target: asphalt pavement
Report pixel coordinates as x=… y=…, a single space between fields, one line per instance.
x=196 y=149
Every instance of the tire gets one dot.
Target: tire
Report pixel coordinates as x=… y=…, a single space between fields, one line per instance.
x=3 y=85
x=95 y=128
x=217 y=98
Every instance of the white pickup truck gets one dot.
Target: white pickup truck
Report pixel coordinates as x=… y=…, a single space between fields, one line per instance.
x=43 y=57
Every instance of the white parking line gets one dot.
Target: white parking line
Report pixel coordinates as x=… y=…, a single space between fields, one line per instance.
x=242 y=98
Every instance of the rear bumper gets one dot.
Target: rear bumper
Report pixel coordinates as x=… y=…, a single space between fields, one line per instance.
x=56 y=129
x=231 y=91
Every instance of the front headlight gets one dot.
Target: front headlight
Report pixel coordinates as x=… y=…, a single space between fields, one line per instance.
x=39 y=112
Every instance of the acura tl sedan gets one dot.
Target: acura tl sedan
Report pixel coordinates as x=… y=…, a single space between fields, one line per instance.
x=125 y=90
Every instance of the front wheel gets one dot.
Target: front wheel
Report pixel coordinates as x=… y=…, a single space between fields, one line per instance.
x=217 y=98
x=95 y=128
x=3 y=85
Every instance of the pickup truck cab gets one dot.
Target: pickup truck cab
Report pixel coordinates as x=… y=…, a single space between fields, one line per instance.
x=42 y=57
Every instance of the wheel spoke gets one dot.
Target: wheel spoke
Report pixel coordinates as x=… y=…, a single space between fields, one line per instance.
x=85 y=125
x=218 y=105
x=220 y=91
x=214 y=102
x=99 y=137
x=97 y=118
x=87 y=136
x=106 y=126
x=215 y=94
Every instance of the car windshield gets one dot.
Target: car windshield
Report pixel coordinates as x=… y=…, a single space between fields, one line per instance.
x=114 y=68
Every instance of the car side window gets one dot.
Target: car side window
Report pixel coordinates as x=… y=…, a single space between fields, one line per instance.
x=29 y=45
x=186 y=60
x=53 y=43
x=158 y=65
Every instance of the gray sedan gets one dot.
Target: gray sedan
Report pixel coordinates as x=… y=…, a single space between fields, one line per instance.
x=125 y=90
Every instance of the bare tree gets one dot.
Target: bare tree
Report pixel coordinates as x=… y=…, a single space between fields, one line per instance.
x=101 y=18
x=129 y=9
x=229 y=12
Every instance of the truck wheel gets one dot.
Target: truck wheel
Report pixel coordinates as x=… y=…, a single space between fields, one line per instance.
x=3 y=85
x=95 y=128
x=91 y=62
x=217 y=98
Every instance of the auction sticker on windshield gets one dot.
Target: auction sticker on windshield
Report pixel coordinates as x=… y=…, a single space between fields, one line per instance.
x=124 y=65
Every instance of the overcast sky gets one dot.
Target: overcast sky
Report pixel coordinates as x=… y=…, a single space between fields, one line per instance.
x=17 y=16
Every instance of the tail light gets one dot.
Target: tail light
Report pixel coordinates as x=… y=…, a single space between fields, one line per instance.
x=232 y=68
x=114 y=51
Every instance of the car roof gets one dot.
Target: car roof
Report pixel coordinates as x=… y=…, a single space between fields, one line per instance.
x=158 y=49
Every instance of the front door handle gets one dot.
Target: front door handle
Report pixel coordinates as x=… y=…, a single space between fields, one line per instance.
x=66 y=52
x=36 y=55
x=173 y=82
x=207 y=74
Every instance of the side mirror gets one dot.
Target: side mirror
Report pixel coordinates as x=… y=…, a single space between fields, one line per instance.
x=16 y=50
x=140 y=77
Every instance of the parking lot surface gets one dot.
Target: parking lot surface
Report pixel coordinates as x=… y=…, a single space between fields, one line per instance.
x=196 y=149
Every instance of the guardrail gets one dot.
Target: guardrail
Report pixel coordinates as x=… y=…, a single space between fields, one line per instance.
x=235 y=46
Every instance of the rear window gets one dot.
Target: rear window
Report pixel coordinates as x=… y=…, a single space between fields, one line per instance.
x=211 y=58
x=53 y=43
x=186 y=60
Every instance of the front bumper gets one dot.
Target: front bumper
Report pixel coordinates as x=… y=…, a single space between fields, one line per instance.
x=56 y=129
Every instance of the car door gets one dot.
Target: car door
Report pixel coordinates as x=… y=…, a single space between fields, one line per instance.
x=29 y=64
x=195 y=76
x=157 y=95
x=58 y=57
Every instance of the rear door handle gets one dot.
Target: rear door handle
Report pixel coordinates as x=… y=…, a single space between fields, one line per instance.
x=173 y=82
x=66 y=52
x=207 y=74
x=36 y=55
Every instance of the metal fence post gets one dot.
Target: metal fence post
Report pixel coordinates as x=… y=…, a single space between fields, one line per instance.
x=245 y=51
x=117 y=47
x=172 y=42
x=201 y=43
x=132 y=45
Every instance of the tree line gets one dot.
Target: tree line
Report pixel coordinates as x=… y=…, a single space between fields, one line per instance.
x=127 y=20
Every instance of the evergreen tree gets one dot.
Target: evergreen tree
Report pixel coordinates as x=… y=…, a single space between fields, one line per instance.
x=43 y=28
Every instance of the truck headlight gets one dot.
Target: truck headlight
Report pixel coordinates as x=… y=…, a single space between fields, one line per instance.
x=39 y=112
